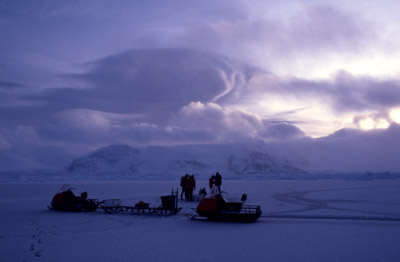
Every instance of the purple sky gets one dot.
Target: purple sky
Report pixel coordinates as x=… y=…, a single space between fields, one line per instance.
x=77 y=75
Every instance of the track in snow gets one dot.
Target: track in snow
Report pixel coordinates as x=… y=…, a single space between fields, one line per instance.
x=335 y=217
x=307 y=204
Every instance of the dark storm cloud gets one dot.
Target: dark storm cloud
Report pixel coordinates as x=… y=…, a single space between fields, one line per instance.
x=151 y=82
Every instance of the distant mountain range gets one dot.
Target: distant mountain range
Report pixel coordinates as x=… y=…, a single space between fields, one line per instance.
x=201 y=160
x=344 y=152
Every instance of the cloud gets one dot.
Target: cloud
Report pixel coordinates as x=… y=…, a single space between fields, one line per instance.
x=319 y=107
x=90 y=129
x=280 y=130
x=350 y=93
x=129 y=98
x=156 y=89
x=344 y=93
x=84 y=129
x=147 y=97
x=324 y=27
x=4 y=85
x=222 y=124
x=142 y=11
x=274 y=42
x=85 y=118
x=156 y=82
x=23 y=148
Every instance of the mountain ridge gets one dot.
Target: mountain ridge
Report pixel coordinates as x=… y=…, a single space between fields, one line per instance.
x=202 y=160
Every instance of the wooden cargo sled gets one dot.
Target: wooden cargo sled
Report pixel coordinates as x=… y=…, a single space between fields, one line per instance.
x=169 y=206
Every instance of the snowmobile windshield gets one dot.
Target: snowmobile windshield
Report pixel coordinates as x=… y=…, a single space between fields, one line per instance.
x=66 y=187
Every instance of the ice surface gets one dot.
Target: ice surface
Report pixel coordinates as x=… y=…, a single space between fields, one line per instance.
x=31 y=232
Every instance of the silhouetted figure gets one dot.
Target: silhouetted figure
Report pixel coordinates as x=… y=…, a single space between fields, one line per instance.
x=244 y=198
x=218 y=181
x=191 y=185
x=184 y=184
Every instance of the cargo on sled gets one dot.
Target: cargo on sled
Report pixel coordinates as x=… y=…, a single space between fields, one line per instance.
x=169 y=206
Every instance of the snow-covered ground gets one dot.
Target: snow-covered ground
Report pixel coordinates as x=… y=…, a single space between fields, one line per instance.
x=31 y=232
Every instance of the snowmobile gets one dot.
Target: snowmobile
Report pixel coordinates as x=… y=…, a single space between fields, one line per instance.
x=217 y=208
x=66 y=200
x=169 y=206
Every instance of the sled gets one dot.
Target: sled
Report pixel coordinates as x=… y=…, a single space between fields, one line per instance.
x=217 y=208
x=169 y=206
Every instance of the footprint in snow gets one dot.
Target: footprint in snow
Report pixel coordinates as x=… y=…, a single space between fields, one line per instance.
x=39 y=253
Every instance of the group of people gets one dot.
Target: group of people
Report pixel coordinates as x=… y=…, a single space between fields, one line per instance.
x=188 y=184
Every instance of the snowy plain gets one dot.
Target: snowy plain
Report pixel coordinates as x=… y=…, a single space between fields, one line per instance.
x=31 y=232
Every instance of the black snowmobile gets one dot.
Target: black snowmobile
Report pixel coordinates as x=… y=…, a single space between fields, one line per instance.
x=66 y=200
x=217 y=208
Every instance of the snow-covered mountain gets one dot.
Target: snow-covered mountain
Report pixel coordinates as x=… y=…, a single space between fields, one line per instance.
x=202 y=160
x=114 y=158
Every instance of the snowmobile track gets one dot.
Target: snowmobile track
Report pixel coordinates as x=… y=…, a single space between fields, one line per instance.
x=333 y=217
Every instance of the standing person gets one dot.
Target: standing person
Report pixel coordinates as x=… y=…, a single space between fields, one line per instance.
x=191 y=185
x=184 y=180
x=218 y=181
x=194 y=182
x=211 y=181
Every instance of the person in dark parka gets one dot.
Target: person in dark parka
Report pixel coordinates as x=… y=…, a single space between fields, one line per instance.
x=184 y=182
x=218 y=181
x=191 y=186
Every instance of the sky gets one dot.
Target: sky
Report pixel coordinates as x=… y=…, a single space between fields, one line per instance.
x=78 y=75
